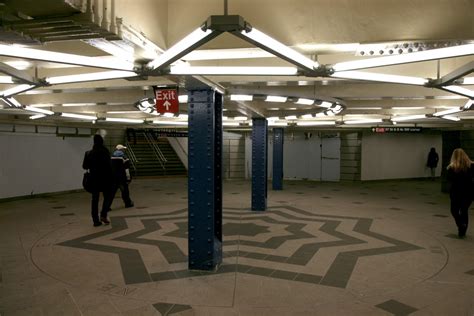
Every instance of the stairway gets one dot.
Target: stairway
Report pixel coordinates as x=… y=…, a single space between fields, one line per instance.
x=147 y=162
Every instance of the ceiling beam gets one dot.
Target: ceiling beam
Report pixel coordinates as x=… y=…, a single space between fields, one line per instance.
x=18 y=74
x=454 y=75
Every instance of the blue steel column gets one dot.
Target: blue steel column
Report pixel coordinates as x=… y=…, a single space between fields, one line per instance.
x=277 y=181
x=204 y=179
x=259 y=164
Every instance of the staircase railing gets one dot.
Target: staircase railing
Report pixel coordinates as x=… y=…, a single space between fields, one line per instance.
x=156 y=150
x=131 y=155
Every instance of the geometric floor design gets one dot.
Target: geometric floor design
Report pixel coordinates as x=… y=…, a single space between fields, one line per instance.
x=259 y=237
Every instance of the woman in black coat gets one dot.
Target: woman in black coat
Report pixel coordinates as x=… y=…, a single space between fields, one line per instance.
x=97 y=161
x=460 y=176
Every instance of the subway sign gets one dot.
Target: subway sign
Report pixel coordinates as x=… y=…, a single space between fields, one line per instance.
x=396 y=129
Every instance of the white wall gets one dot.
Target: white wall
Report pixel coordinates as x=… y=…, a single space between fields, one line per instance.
x=40 y=163
x=398 y=156
x=180 y=146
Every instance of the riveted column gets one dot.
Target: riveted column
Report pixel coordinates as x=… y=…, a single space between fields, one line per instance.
x=259 y=164
x=277 y=179
x=204 y=179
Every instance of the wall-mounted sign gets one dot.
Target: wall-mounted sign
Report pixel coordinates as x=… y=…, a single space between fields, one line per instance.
x=396 y=129
x=166 y=100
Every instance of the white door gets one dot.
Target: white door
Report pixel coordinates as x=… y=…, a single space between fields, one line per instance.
x=330 y=158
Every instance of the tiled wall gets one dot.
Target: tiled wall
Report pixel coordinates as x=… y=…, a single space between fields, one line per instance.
x=350 y=156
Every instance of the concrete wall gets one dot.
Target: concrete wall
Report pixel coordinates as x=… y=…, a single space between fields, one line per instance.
x=180 y=146
x=398 y=156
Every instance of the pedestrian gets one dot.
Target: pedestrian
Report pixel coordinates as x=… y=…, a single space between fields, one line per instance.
x=97 y=161
x=460 y=177
x=432 y=162
x=121 y=174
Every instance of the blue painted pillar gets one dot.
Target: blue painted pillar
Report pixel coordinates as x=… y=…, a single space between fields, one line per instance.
x=277 y=180
x=259 y=164
x=204 y=179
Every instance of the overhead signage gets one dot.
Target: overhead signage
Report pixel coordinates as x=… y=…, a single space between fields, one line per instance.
x=396 y=129
x=166 y=100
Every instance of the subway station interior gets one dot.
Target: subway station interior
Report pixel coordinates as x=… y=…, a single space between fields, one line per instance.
x=278 y=156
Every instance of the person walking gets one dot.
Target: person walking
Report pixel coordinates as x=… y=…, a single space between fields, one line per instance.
x=97 y=161
x=460 y=176
x=121 y=174
x=432 y=162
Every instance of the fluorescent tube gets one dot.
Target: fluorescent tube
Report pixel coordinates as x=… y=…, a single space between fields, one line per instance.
x=123 y=120
x=468 y=80
x=38 y=116
x=170 y=122
x=291 y=117
x=273 y=123
x=179 y=48
x=408 y=107
x=224 y=70
x=369 y=76
x=79 y=116
x=324 y=104
x=6 y=79
x=274 y=98
x=240 y=118
x=451 y=118
x=307 y=116
x=17 y=89
x=183 y=98
x=230 y=123
x=407 y=118
x=168 y=114
x=351 y=122
x=42 y=111
x=446 y=112
x=304 y=101
x=71 y=59
x=231 y=53
x=439 y=53
x=460 y=90
x=241 y=97
x=114 y=74
x=78 y=104
x=13 y=102
x=275 y=47
x=316 y=123
x=468 y=105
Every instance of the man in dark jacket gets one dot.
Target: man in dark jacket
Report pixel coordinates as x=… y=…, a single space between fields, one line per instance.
x=97 y=161
x=121 y=174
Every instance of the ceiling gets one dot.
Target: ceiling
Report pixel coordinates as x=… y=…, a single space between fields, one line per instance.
x=327 y=32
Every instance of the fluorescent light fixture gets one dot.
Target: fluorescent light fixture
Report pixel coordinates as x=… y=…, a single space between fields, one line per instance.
x=273 y=118
x=240 y=118
x=42 y=105
x=446 y=112
x=13 y=102
x=321 y=114
x=104 y=75
x=122 y=112
x=291 y=117
x=468 y=80
x=316 y=123
x=42 y=111
x=447 y=52
x=6 y=79
x=369 y=76
x=231 y=53
x=307 y=116
x=17 y=89
x=230 y=123
x=37 y=116
x=371 y=121
x=224 y=118
x=324 y=104
x=451 y=118
x=228 y=70
x=79 y=116
x=179 y=48
x=241 y=97
x=123 y=120
x=78 y=104
x=274 y=98
x=273 y=123
x=170 y=122
x=408 y=107
x=275 y=47
x=183 y=98
x=408 y=118
x=71 y=59
x=365 y=108
x=183 y=116
x=168 y=114
x=468 y=105
x=460 y=90
x=304 y=101
x=273 y=109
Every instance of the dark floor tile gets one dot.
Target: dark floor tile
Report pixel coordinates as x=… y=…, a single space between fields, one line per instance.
x=260 y=271
x=286 y=275
x=357 y=202
x=308 y=278
x=163 y=276
x=67 y=214
x=396 y=308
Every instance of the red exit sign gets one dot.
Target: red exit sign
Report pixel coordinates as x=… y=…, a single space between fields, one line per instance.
x=166 y=100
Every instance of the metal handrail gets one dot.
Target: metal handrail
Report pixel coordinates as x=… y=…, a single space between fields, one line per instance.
x=157 y=151
x=131 y=156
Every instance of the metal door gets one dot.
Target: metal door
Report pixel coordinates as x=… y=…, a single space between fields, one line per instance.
x=330 y=157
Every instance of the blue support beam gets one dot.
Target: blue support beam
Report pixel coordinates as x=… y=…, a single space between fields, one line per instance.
x=277 y=179
x=259 y=164
x=204 y=179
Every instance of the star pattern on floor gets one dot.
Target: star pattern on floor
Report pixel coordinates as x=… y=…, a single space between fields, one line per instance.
x=260 y=239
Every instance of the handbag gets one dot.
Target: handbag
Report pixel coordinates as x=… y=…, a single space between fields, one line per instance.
x=87 y=182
